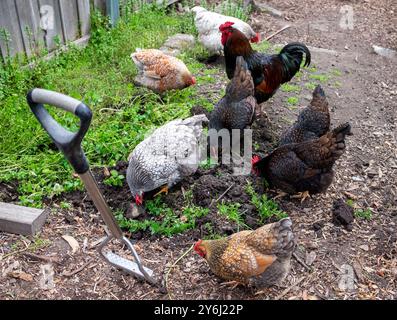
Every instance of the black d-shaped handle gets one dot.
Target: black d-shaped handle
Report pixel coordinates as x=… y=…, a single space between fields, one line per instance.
x=68 y=142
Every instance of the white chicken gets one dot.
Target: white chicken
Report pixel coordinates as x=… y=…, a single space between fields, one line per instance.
x=207 y=24
x=160 y=72
x=169 y=154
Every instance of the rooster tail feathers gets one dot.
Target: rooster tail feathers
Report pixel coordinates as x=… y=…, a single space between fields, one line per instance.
x=292 y=56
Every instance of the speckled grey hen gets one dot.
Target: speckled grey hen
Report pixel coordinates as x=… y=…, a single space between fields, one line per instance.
x=169 y=154
x=313 y=121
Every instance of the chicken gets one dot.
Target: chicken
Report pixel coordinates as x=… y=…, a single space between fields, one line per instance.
x=160 y=72
x=260 y=257
x=268 y=71
x=304 y=167
x=207 y=24
x=168 y=155
x=236 y=109
x=312 y=123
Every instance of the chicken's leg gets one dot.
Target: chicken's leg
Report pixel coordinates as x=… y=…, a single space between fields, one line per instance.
x=232 y=284
x=164 y=189
x=280 y=194
x=301 y=195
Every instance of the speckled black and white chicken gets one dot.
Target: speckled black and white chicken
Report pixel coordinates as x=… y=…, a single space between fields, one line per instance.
x=169 y=154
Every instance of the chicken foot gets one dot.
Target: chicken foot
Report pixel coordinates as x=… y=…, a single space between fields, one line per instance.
x=164 y=189
x=301 y=195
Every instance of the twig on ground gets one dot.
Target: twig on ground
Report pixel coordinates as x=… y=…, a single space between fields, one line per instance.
x=222 y=195
x=277 y=32
x=69 y=274
x=282 y=294
x=301 y=262
x=14 y=252
x=174 y=264
x=43 y=258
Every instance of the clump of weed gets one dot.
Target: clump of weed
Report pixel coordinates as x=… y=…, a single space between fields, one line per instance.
x=116 y=179
x=363 y=214
x=266 y=208
x=231 y=212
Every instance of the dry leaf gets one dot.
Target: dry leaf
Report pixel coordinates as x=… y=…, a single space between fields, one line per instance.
x=21 y=275
x=72 y=243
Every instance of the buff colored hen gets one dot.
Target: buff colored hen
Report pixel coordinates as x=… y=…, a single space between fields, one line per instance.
x=260 y=257
x=160 y=72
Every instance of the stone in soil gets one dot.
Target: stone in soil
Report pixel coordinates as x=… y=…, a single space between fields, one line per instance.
x=177 y=43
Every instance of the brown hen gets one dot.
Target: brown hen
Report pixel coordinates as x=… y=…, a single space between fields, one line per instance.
x=260 y=257
x=236 y=109
x=313 y=121
x=305 y=166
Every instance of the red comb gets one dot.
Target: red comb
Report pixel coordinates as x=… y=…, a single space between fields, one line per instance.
x=197 y=244
x=226 y=25
x=255 y=159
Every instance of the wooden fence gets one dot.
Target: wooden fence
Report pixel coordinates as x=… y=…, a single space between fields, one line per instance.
x=29 y=25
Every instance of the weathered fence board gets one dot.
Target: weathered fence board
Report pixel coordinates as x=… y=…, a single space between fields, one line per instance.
x=10 y=21
x=50 y=22
x=69 y=17
x=83 y=7
x=29 y=20
x=34 y=24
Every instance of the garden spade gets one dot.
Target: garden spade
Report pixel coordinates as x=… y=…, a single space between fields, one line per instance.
x=69 y=143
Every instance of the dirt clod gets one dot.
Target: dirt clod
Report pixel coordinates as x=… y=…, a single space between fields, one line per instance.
x=343 y=214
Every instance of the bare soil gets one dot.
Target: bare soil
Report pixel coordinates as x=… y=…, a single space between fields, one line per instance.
x=366 y=173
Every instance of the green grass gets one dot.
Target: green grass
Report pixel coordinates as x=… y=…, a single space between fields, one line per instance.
x=336 y=72
x=263 y=46
x=363 y=214
x=288 y=87
x=165 y=221
x=231 y=212
x=350 y=203
x=266 y=208
x=100 y=75
x=310 y=85
x=116 y=179
x=207 y=164
x=292 y=101
x=320 y=77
